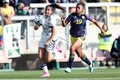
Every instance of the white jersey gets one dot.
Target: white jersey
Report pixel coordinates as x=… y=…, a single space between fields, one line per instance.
x=48 y=23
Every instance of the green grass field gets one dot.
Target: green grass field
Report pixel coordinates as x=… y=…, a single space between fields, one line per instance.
x=77 y=74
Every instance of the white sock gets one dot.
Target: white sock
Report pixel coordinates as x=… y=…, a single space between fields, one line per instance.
x=45 y=69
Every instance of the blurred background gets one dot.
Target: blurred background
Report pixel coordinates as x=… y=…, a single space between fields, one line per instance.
x=104 y=11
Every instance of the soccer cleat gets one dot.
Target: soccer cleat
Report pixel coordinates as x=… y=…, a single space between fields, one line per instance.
x=45 y=75
x=91 y=69
x=67 y=70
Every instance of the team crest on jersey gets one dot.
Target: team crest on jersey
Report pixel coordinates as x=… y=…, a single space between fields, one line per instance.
x=83 y=17
x=75 y=17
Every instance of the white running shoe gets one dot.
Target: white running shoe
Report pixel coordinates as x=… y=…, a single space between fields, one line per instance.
x=68 y=70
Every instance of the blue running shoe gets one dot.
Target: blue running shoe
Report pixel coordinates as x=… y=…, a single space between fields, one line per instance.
x=91 y=69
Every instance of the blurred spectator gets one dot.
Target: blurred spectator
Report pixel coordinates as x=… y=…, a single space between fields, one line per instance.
x=117 y=1
x=72 y=1
x=7 y=12
x=91 y=1
x=40 y=1
x=105 y=0
x=26 y=2
x=105 y=43
x=22 y=11
x=12 y=3
x=39 y=10
x=1 y=3
x=115 y=51
x=51 y=1
x=60 y=1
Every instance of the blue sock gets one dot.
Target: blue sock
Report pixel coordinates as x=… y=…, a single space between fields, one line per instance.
x=45 y=68
x=43 y=65
x=71 y=59
x=86 y=60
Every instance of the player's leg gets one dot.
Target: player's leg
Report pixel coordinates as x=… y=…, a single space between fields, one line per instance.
x=84 y=58
x=107 y=55
x=75 y=44
x=49 y=56
x=41 y=55
x=49 y=51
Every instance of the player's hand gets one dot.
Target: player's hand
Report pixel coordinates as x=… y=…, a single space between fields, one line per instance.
x=63 y=21
x=8 y=16
x=36 y=27
x=63 y=18
x=47 y=43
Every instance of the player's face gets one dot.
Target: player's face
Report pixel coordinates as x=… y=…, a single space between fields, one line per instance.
x=79 y=9
x=48 y=11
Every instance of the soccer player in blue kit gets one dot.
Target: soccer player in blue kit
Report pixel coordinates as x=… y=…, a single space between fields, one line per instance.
x=77 y=22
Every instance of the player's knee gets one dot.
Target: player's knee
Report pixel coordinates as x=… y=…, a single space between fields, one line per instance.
x=72 y=49
x=49 y=59
x=80 y=53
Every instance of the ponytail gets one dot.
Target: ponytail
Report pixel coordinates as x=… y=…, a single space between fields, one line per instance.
x=53 y=5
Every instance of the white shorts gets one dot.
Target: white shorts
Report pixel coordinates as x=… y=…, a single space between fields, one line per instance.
x=50 y=47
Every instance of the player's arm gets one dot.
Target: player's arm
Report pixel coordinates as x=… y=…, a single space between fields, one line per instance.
x=54 y=32
x=96 y=23
x=65 y=21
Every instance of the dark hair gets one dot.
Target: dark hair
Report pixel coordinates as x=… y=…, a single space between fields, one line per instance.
x=53 y=6
x=82 y=3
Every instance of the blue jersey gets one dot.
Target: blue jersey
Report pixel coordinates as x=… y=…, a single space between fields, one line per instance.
x=78 y=24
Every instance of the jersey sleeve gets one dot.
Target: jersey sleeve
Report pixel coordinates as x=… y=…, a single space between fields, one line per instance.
x=89 y=18
x=68 y=19
x=52 y=22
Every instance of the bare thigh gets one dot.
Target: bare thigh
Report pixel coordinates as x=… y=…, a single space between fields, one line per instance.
x=49 y=57
x=77 y=44
x=41 y=54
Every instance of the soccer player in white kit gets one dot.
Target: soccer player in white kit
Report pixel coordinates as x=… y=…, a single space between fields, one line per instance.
x=48 y=38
